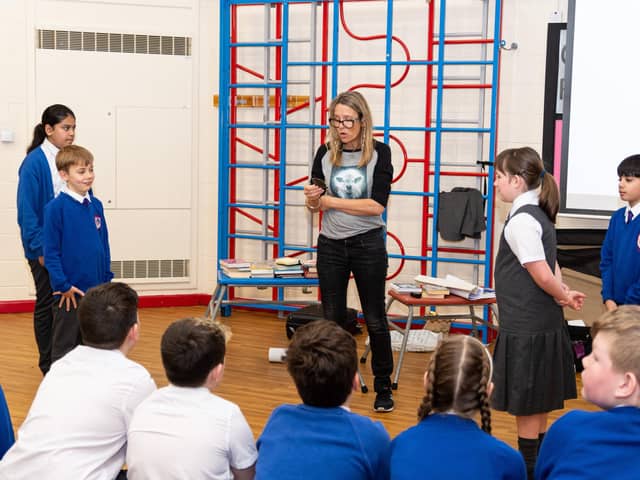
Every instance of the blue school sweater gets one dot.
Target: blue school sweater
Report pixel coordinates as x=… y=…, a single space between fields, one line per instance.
x=592 y=445
x=620 y=261
x=76 y=244
x=35 y=190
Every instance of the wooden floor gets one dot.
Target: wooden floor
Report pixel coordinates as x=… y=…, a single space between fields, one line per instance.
x=256 y=385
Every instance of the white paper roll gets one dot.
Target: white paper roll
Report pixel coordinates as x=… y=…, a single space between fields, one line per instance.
x=277 y=354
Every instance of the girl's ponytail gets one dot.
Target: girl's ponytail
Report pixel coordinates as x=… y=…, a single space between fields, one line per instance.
x=526 y=163
x=38 y=137
x=549 y=196
x=52 y=115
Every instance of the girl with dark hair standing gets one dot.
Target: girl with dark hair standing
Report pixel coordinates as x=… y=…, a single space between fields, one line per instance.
x=38 y=183
x=446 y=442
x=355 y=172
x=534 y=369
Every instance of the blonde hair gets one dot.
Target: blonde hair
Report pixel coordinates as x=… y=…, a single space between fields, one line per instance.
x=623 y=327
x=526 y=163
x=458 y=380
x=358 y=103
x=73 y=155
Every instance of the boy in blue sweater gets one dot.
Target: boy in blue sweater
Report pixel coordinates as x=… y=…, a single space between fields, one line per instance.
x=620 y=254
x=603 y=444
x=322 y=439
x=76 y=245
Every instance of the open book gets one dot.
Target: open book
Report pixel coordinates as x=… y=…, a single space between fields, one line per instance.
x=458 y=286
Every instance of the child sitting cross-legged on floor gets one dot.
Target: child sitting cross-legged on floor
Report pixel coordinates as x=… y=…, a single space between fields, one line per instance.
x=605 y=444
x=446 y=442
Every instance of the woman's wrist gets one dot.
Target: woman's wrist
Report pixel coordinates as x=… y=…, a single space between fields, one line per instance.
x=313 y=207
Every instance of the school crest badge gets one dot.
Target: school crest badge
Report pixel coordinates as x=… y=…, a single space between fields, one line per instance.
x=98 y=221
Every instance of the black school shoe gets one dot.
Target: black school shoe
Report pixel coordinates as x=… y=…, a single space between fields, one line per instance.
x=384 y=401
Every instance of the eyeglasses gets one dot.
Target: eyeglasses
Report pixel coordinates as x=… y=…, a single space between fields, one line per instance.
x=346 y=123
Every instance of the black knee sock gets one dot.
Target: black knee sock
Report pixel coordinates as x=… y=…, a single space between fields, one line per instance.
x=540 y=438
x=529 y=449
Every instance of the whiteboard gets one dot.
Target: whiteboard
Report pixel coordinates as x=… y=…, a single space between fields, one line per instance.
x=602 y=106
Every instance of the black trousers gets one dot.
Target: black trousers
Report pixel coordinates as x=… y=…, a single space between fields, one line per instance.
x=364 y=255
x=66 y=330
x=42 y=314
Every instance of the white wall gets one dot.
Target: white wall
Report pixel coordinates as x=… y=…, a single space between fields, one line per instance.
x=521 y=109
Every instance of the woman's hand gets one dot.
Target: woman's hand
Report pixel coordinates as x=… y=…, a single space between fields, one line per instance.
x=312 y=195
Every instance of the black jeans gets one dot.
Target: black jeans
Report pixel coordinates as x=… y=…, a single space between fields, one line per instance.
x=66 y=329
x=42 y=314
x=364 y=255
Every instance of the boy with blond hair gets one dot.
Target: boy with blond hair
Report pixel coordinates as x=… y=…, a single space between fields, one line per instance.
x=76 y=245
x=606 y=444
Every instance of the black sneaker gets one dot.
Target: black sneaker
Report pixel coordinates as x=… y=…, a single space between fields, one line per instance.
x=384 y=401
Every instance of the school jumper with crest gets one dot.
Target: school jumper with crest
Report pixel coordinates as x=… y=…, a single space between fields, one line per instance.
x=620 y=260
x=76 y=253
x=534 y=370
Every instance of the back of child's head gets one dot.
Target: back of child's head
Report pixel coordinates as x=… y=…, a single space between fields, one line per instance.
x=622 y=327
x=52 y=115
x=629 y=167
x=458 y=379
x=527 y=164
x=106 y=314
x=323 y=361
x=190 y=349
x=73 y=155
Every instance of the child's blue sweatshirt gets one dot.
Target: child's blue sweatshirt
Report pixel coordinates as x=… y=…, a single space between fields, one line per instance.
x=76 y=244
x=35 y=190
x=620 y=261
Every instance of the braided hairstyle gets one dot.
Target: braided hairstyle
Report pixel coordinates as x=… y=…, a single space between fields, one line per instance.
x=457 y=380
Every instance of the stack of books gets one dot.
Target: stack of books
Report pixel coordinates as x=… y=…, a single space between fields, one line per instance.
x=262 y=269
x=434 y=291
x=406 y=288
x=287 y=267
x=310 y=269
x=457 y=286
x=235 y=268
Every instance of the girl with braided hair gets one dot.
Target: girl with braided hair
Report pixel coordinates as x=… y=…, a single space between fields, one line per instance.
x=447 y=442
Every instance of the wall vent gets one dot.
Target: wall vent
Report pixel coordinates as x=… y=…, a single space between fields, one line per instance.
x=150 y=269
x=114 y=42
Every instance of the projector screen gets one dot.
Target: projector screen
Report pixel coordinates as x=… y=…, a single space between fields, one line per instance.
x=601 y=119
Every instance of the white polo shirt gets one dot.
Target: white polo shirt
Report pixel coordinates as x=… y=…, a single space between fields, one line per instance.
x=76 y=427
x=188 y=433
x=523 y=233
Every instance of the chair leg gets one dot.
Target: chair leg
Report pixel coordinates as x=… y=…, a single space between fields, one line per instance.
x=403 y=347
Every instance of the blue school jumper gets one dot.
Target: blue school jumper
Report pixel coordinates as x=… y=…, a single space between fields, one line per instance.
x=76 y=244
x=35 y=190
x=620 y=260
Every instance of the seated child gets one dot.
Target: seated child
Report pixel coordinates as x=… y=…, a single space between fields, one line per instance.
x=604 y=444
x=76 y=427
x=184 y=430
x=322 y=438
x=447 y=442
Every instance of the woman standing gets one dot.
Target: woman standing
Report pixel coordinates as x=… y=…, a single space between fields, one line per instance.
x=351 y=181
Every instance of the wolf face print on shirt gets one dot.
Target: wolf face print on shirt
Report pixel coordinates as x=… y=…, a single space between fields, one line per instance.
x=349 y=182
